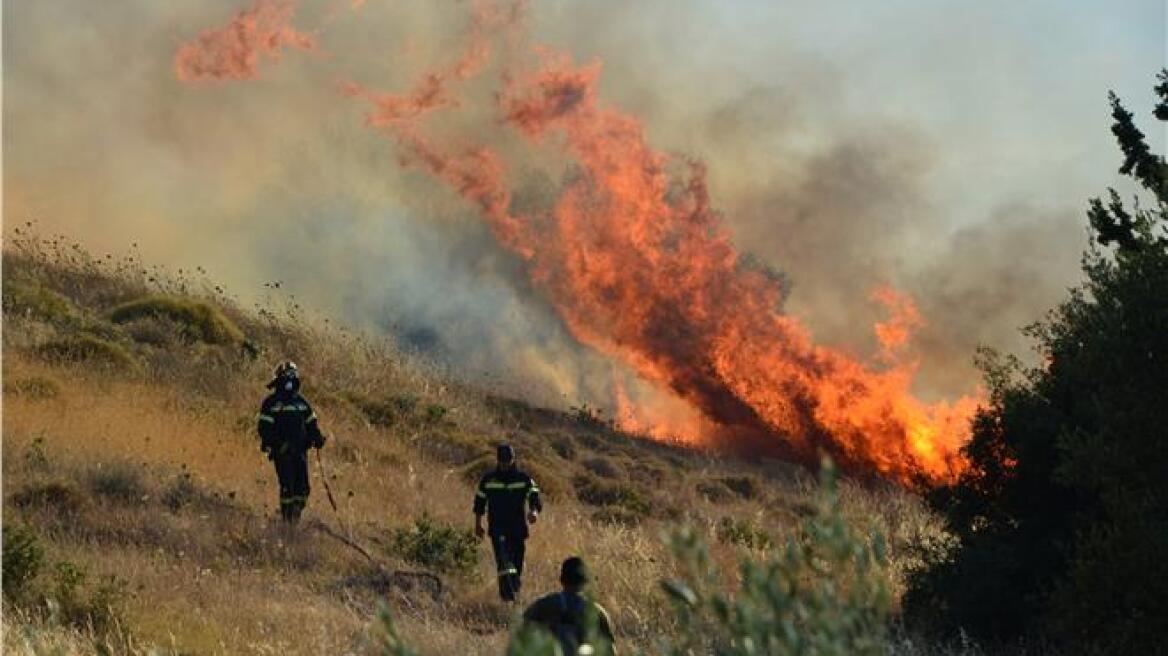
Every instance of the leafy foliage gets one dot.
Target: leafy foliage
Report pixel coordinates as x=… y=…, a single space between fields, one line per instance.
x=743 y=533
x=23 y=559
x=442 y=548
x=824 y=592
x=1063 y=518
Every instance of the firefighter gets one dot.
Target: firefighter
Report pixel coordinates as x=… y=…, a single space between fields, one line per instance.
x=580 y=625
x=510 y=499
x=288 y=427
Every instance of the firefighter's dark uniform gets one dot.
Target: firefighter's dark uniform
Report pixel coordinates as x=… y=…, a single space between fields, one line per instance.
x=505 y=495
x=288 y=427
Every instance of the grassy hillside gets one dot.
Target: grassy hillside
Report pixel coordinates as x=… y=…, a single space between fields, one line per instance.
x=130 y=461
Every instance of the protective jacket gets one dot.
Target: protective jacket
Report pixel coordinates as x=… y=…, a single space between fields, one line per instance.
x=504 y=496
x=287 y=424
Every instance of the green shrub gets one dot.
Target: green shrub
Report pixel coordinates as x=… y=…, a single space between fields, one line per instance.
x=36 y=300
x=87 y=348
x=825 y=592
x=198 y=320
x=436 y=547
x=23 y=558
x=743 y=533
x=434 y=413
x=32 y=387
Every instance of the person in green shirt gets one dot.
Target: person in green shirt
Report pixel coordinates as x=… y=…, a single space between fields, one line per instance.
x=580 y=625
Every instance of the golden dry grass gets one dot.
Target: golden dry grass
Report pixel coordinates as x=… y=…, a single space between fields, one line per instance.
x=220 y=575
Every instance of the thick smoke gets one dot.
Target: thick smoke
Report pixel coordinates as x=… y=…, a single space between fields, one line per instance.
x=277 y=180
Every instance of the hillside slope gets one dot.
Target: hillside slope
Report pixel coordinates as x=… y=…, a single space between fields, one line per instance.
x=129 y=452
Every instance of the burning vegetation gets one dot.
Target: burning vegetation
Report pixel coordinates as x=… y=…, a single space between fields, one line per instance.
x=638 y=264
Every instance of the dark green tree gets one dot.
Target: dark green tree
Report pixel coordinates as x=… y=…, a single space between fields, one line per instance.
x=1062 y=520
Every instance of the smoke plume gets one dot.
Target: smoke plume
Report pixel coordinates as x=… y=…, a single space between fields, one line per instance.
x=825 y=188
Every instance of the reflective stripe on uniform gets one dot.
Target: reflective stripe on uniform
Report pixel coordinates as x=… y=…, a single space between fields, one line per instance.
x=508 y=571
x=534 y=490
x=516 y=486
x=310 y=419
x=481 y=494
x=263 y=417
x=492 y=485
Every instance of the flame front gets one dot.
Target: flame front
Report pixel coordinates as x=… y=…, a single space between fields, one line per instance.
x=640 y=266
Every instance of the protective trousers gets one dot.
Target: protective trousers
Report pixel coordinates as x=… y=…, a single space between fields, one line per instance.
x=292 y=471
x=509 y=564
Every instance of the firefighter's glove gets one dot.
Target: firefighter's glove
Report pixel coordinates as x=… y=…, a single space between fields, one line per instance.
x=318 y=443
x=532 y=516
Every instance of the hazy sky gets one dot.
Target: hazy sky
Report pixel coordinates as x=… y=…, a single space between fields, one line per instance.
x=946 y=148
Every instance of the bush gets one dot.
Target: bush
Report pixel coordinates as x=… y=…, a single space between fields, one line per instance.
x=36 y=300
x=87 y=348
x=434 y=413
x=198 y=321
x=436 y=547
x=32 y=387
x=743 y=533
x=23 y=558
x=825 y=592
x=1062 y=517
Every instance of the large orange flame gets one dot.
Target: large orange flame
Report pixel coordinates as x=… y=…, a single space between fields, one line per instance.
x=639 y=266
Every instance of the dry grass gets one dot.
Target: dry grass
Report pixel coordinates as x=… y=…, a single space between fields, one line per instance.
x=175 y=498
